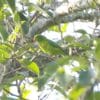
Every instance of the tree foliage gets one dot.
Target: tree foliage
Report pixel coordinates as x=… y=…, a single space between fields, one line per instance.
x=69 y=66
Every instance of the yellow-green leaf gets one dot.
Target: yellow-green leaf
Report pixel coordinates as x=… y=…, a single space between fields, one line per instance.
x=76 y=92
x=26 y=93
x=34 y=68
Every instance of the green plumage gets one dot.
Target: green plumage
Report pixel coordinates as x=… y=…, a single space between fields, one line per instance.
x=49 y=46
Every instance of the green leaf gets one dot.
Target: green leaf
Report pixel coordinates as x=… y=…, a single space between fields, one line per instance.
x=81 y=31
x=25 y=93
x=2 y=2
x=2 y=15
x=63 y=77
x=83 y=63
x=93 y=95
x=30 y=65
x=3 y=32
x=16 y=17
x=76 y=92
x=54 y=28
x=9 y=79
x=93 y=4
x=83 y=42
x=4 y=56
x=12 y=37
x=69 y=39
x=86 y=77
x=12 y=4
x=30 y=8
x=5 y=85
x=5 y=47
x=61 y=90
x=24 y=48
x=54 y=65
x=62 y=27
x=52 y=69
x=21 y=19
x=81 y=45
x=33 y=67
x=5 y=51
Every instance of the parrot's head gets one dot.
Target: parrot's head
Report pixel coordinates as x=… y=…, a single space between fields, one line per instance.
x=39 y=38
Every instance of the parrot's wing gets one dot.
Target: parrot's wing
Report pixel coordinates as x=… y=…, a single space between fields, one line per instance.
x=49 y=46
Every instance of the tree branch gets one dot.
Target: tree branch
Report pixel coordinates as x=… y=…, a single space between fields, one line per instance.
x=69 y=13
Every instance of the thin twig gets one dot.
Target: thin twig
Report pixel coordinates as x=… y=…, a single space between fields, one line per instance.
x=18 y=84
x=18 y=88
x=12 y=71
x=10 y=93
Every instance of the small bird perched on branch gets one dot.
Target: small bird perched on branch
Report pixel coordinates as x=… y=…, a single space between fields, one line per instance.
x=48 y=46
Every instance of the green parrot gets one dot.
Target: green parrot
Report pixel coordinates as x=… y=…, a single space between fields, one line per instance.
x=48 y=46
